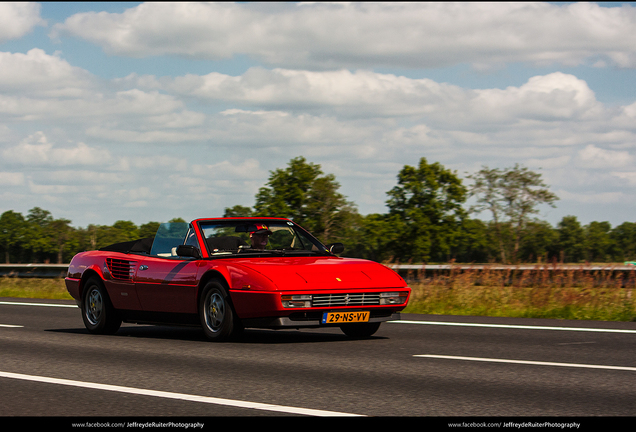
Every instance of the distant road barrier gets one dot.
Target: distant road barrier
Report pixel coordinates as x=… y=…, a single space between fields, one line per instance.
x=410 y=271
x=526 y=274
x=34 y=270
x=520 y=267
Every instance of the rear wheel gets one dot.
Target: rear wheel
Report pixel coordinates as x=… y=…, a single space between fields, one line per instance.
x=361 y=330
x=98 y=313
x=217 y=317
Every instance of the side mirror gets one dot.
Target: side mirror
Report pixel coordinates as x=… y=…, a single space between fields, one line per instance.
x=188 y=251
x=335 y=248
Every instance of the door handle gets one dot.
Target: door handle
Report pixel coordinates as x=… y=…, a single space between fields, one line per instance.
x=143 y=267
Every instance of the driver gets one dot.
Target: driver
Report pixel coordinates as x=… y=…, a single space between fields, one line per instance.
x=260 y=236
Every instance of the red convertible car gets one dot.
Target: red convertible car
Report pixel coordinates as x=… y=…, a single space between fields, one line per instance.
x=228 y=274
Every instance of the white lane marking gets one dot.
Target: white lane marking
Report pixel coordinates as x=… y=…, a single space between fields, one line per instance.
x=38 y=304
x=179 y=396
x=528 y=362
x=10 y=325
x=582 y=329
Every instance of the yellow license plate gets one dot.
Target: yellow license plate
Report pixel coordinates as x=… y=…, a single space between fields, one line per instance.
x=345 y=317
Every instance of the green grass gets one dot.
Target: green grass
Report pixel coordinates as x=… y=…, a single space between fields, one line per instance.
x=41 y=288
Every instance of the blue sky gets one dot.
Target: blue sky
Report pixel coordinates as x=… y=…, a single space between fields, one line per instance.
x=143 y=112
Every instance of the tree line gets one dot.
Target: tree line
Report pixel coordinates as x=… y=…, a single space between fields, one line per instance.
x=428 y=220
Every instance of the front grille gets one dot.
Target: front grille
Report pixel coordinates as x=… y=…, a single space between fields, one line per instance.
x=357 y=299
x=120 y=269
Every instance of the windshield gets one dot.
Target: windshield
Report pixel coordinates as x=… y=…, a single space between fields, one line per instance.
x=258 y=236
x=169 y=236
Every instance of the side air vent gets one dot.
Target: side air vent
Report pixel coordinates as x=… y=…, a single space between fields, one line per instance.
x=121 y=269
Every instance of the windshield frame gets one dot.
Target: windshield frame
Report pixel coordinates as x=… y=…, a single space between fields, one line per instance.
x=278 y=224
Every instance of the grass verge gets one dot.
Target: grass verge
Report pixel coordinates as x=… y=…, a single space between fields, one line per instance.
x=42 y=288
x=462 y=294
x=565 y=295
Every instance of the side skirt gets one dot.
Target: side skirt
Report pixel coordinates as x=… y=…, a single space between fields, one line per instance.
x=145 y=317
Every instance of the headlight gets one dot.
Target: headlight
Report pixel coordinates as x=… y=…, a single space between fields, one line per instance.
x=296 y=301
x=391 y=298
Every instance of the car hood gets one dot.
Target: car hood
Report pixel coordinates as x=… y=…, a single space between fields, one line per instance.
x=324 y=273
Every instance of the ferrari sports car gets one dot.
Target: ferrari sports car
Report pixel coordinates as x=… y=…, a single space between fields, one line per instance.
x=228 y=274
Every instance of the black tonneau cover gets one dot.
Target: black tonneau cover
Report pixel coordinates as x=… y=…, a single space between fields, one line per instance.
x=141 y=245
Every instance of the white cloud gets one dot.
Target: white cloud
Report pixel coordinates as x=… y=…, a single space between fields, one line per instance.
x=340 y=91
x=84 y=177
x=594 y=157
x=629 y=177
x=11 y=178
x=39 y=74
x=247 y=169
x=52 y=189
x=592 y=197
x=18 y=18
x=365 y=94
x=322 y=36
x=36 y=150
x=550 y=97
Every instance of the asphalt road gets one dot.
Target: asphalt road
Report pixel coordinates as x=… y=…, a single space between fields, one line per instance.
x=424 y=365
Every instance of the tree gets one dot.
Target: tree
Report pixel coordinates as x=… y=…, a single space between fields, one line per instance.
x=125 y=231
x=511 y=195
x=486 y=185
x=238 y=211
x=61 y=232
x=328 y=212
x=285 y=194
x=428 y=199
x=472 y=243
x=598 y=242
x=302 y=192
x=12 y=231
x=148 y=229
x=539 y=242
x=571 y=239
x=376 y=237
x=38 y=238
x=624 y=241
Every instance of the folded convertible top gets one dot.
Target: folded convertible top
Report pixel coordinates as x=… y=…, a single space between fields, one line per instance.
x=141 y=245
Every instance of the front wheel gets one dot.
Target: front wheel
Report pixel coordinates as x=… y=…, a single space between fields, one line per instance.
x=217 y=317
x=361 y=330
x=98 y=313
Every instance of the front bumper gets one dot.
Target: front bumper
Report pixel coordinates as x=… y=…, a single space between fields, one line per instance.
x=312 y=320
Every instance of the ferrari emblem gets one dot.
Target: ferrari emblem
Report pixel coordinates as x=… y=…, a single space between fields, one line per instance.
x=339 y=280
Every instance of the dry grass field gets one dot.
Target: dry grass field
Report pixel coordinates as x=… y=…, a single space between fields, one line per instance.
x=573 y=293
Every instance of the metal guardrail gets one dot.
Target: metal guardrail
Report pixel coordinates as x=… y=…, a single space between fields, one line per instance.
x=521 y=267
x=34 y=270
x=623 y=275
x=59 y=270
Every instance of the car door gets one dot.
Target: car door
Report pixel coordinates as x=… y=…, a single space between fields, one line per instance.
x=165 y=282
x=167 y=285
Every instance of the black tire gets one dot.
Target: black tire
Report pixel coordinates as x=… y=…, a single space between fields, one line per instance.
x=217 y=316
x=98 y=313
x=361 y=330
